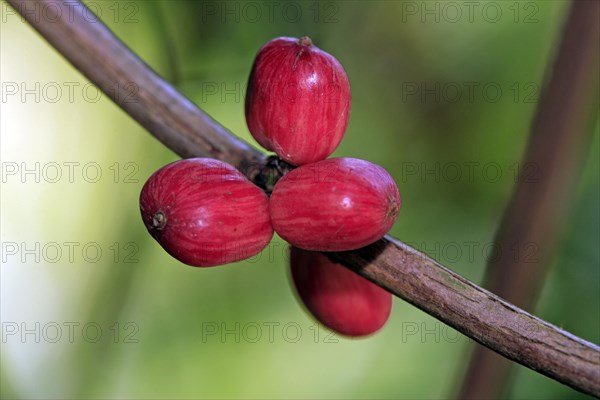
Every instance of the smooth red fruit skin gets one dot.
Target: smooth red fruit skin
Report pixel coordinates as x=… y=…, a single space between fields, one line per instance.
x=298 y=100
x=204 y=212
x=337 y=297
x=337 y=204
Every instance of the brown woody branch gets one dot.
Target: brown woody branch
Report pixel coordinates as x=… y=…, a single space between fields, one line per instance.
x=559 y=140
x=409 y=274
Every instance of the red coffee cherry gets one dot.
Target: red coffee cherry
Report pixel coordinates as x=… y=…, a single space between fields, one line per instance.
x=205 y=212
x=298 y=100
x=337 y=297
x=337 y=204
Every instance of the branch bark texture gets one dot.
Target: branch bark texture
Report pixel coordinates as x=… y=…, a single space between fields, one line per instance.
x=407 y=273
x=560 y=136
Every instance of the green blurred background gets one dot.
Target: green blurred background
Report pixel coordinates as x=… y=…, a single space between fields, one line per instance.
x=434 y=87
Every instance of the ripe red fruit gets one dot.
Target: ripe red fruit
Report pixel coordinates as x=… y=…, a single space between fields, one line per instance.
x=298 y=100
x=337 y=204
x=205 y=212
x=339 y=298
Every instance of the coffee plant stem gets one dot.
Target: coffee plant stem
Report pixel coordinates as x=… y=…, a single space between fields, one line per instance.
x=560 y=137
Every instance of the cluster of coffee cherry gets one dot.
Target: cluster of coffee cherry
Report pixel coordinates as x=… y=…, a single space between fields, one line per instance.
x=205 y=212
